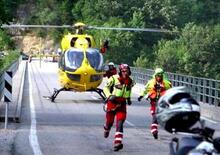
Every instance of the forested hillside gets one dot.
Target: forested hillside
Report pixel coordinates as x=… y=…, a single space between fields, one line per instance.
x=194 y=50
x=7 y=14
x=8 y=52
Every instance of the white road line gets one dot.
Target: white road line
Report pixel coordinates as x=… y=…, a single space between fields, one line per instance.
x=33 y=140
x=209 y=120
x=95 y=98
x=129 y=123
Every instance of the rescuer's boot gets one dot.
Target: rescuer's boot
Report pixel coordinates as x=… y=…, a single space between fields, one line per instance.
x=118 y=146
x=155 y=134
x=106 y=132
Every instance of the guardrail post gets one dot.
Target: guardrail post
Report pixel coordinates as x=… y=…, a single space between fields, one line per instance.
x=193 y=87
x=210 y=100
x=203 y=85
x=7 y=94
x=217 y=90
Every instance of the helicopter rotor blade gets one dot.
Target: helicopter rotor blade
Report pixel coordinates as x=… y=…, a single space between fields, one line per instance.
x=88 y=27
x=35 y=26
x=131 y=29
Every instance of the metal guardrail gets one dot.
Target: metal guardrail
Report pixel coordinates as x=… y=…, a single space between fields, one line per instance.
x=203 y=89
x=13 y=67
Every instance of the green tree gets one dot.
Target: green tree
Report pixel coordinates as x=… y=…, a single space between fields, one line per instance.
x=5 y=41
x=203 y=45
x=187 y=52
x=142 y=62
x=3 y=14
x=195 y=52
x=169 y=55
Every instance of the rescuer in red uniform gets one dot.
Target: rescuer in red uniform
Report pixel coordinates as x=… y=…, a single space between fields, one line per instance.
x=155 y=88
x=116 y=102
x=111 y=70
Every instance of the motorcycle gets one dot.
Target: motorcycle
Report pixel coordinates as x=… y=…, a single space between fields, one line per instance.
x=179 y=114
x=196 y=141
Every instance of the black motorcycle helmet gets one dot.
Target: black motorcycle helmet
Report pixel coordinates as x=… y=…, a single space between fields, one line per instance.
x=177 y=111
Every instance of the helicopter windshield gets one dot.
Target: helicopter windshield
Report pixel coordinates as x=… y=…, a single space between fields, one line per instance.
x=95 y=58
x=73 y=59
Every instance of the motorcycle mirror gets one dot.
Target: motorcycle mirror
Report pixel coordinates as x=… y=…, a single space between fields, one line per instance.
x=216 y=143
x=208 y=132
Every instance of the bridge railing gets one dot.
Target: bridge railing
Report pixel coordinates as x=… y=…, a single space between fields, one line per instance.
x=203 y=89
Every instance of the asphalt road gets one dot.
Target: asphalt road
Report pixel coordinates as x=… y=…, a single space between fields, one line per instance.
x=74 y=123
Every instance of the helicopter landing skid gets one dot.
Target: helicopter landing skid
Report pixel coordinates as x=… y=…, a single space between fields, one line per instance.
x=100 y=92
x=55 y=93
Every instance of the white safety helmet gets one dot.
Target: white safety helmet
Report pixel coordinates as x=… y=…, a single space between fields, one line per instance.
x=177 y=110
x=111 y=64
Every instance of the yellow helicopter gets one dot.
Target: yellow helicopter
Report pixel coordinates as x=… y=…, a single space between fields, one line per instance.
x=80 y=62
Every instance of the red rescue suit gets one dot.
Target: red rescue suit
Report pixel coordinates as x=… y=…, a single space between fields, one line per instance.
x=154 y=90
x=116 y=105
x=112 y=71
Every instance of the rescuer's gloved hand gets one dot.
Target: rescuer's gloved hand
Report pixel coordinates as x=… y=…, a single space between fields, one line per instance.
x=129 y=101
x=139 y=98
x=105 y=107
x=111 y=97
x=157 y=86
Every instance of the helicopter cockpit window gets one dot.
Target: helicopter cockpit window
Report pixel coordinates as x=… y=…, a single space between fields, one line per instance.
x=95 y=58
x=89 y=41
x=73 y=59
x=72 y=42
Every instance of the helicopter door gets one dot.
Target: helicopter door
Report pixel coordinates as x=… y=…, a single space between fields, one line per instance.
x=73 y=59
x=95 y=58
